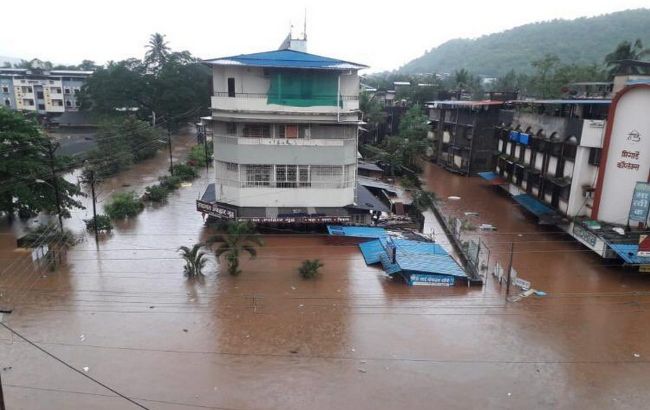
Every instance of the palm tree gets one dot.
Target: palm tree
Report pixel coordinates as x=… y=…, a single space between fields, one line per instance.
x=239 y=237
x=625 y=51
x=157 y=51
x=309 y=268
x=195 y=260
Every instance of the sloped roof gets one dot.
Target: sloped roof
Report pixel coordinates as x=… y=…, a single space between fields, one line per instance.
x=286 y=59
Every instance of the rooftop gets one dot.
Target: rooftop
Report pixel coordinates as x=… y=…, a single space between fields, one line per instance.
x=286 y=59
x=463 y=103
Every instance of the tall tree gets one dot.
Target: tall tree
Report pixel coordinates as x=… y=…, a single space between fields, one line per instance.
x=27 y=184
x=625 y=51
x=157 y=51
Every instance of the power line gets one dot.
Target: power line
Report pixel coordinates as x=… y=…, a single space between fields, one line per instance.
x=66 y=364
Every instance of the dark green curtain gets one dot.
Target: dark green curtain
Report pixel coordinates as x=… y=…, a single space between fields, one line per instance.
x=303 y=88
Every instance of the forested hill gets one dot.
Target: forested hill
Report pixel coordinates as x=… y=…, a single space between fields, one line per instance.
x=580 y=41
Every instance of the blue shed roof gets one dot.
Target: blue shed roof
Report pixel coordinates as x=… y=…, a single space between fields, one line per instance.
x=286 y=59
x=533 y=205
x=372 y=251
x=627 y=252
x=357 y=231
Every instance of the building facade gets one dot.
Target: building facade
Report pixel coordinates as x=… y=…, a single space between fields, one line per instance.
x=41 y=91
x=285 y=126
x=464 y=139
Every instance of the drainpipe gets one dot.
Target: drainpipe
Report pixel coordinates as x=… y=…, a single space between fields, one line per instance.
x=338 y=99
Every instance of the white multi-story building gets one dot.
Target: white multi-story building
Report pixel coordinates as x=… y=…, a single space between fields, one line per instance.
x=284 y=127
x=41 y=91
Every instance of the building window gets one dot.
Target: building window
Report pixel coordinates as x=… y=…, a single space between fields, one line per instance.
x=5 y=89
x=26 y=90
x=67 y=90
x=76 y=91
x=55 y=90
x=288 y=131
x=258 y=175
x=39 y=95
x=57 y=103
x=231 y=128
x=285 y=176
x=231 y=166
x=565 y=192
x=77 y=103
x=569 y=151
x=41 y=107
x=7 y=102
x=29 y=102
x=231 y=87
x=68 y=103
x=594 y=156
x=257 y=131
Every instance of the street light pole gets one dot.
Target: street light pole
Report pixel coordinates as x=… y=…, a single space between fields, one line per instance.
x=92 y=191
x=512 y=249
x=169 y=143
x=55 y=184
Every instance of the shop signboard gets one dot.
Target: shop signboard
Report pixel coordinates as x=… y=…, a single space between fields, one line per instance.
x=216 y=210
x=640 y=202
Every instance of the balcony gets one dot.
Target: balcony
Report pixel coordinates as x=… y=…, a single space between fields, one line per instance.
x=245 y=150
x=258 y=102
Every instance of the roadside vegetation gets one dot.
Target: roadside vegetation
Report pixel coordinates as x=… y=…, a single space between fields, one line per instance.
x=123 y=205
x=310 y=268
x=238 y=238
x=195 y=260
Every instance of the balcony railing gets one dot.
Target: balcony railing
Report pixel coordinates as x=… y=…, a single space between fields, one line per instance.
x=297 y=97
x=228 y=139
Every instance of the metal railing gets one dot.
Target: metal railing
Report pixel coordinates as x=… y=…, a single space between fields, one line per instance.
x=317 y=142
x=294 y=97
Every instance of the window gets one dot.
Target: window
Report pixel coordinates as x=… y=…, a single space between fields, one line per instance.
x=285 y=176
x=231 y=166
x=569 y=151
x=76 y=91
x=26 y=90
x=5 y=89
x=39 y=95
x=565 y=192
x=77 y=103
x=231 y=128
x=41 y=107
x=258 y=175
x=57 y=103
x=29 y=102
x=68 y=103
x=288 y=131
x=67 y=90
x=55 y=90
x=231 y=87
x=257 y=131
x=7 y=102
x=594 y=156
x=303 y=176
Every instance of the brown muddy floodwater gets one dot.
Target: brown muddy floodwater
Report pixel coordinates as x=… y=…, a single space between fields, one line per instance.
x=352 y=339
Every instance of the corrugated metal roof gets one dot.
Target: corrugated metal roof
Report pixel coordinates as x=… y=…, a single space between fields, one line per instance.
x=357 y=231
x=372 y=251
x=286 y=59
x=627 y=252
x=367 y=201
x=533 y=204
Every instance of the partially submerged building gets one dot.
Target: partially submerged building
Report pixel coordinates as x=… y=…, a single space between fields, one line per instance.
x=583 y=165
x=284 y=125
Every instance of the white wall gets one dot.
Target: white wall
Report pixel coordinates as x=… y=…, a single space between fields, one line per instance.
x=593 y=132
x=618 y=184
x=288 y=197
x=583 y=174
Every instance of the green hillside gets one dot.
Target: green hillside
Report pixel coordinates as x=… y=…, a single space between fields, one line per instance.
x=580 y=41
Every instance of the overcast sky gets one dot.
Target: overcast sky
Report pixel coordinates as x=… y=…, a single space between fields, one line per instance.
x=382 y=34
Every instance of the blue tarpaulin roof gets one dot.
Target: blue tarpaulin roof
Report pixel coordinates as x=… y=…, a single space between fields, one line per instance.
x=357 y=231
x=627 y=252
x=488 y=175
x=286 y=59
x=533 y=204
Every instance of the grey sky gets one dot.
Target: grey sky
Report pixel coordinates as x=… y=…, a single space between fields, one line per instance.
x=382 y=34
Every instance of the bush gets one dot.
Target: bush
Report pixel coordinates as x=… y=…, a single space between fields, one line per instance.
x=156 y=193
x=309 y=268
x=196 y=157
x=103 y=223
x=123 y=205
x=170 y=183
x=185 y=172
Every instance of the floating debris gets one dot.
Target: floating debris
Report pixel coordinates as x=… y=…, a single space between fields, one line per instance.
x=363 y=370
x=487 y=227
x=540 y=293
x=185 y=330
x=453 y=198
x=637 y=355
x=85 y=369
x=471 y=213
x=82 y=338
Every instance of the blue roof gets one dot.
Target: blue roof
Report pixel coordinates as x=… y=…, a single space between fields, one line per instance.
x=533 y=204
x=627 y=252
x=372 y=251
x=357 y=231
x=428 y=263
x=488 y=175
x=286 y=59
x=418 y=247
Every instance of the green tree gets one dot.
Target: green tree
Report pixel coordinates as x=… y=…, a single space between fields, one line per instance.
x=27 y=185
x=157 y=51
x=239 y=237
x=310 y=268
x=625 y=50
x=123 y=205
x=414 y=125
x=195 y=260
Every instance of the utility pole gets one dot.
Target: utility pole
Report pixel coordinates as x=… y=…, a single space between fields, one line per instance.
x=169 y=143
x=55 y=184
x=512 y=249
x=92 y=191
x=2 y=396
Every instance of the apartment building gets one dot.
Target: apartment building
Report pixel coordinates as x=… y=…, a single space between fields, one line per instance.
x=285 y=126
x=41 y=91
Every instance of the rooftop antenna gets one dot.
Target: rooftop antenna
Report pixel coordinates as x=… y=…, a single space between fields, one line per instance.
x=304 y=31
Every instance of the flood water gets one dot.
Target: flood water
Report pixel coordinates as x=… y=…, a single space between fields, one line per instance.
x=351 y=339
